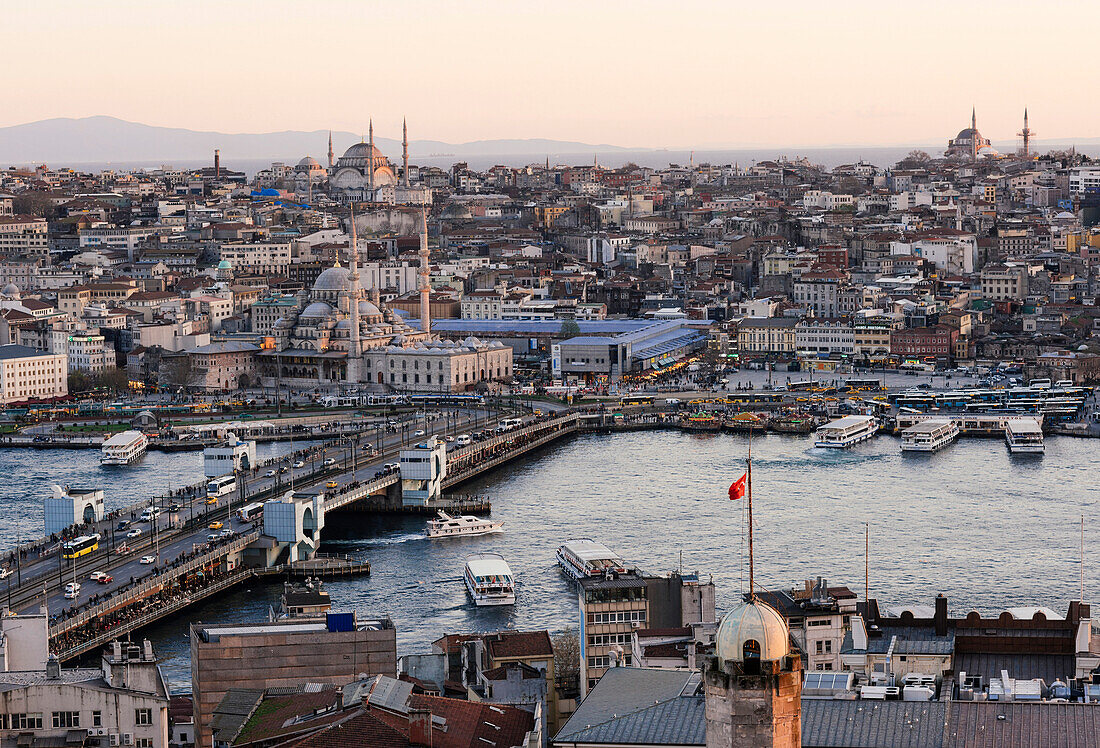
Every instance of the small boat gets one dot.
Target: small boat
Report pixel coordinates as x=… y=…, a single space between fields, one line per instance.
x=929 y=436
x=123 y=448
x=793 y=424
x=846 y=432
x=585 y=558
x=489 y=580
x=447 y=526
x=745 y=423
x=701 y=422
x=1024 y=436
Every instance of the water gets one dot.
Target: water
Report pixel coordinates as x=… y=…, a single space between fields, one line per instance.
x=987 y=529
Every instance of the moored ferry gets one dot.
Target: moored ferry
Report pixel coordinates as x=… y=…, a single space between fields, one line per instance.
x=701 y=422
x=846 y=432
x=585 y=558
x=447 y=526
x=489 y=579
x=1024 y=436
x=123 y=448
x=929 y=436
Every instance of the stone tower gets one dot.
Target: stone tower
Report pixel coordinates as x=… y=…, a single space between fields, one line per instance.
x=405 y=152
x=754 y=684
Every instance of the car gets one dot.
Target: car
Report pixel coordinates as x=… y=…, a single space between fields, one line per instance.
x=225 y=533
x=419 y=432
x=174 y=508
x=211 y=537
x=123 y=550
x=135 y=533
x=331 y=484
x=284 y=469
x=72 y=589
x=299 y=464
x=95 y=575
x=105 y=578
x=392 y=466
x=148 y=559
x=5 y=572
x=216 y=525
x=123 y=525
x=330 y=461
x=270 y=474
x=212 y=501
x=449 y=439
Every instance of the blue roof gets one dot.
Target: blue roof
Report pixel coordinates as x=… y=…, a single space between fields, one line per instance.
x=536 y=327
x=667 y=343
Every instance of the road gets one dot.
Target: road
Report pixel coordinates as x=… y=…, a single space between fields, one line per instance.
x=164 y=540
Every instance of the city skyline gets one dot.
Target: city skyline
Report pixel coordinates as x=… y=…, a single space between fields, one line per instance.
x=711 y=77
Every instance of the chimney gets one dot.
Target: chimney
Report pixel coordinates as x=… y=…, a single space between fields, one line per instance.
x=420 y=728
x=217 y=164
x=940 y=619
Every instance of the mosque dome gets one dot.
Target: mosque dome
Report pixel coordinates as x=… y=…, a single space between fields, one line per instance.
x=225 y=265
x=333 y=279
x=317 y=309
x=368 y=309
x=358 y=154
x=10 y=290
x=969 y=134
x=309 y=162
x=754 y=622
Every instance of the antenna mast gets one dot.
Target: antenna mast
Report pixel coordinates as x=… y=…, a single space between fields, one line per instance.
x=867 y=563
x=1082 y=598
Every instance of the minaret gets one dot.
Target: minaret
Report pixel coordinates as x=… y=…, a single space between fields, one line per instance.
x=425 y=285
x=370 y=160
x=354 y=349
x=405 y=151
x=974 y=134
x=1026 y=134
x=330 y=153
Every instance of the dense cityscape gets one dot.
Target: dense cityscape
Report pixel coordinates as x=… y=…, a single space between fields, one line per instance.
x=395 y=442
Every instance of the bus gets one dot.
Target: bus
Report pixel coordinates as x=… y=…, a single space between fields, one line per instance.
x=635 y=400
x=387 y=400
x=81 y=546
x=872 y=385
x=250 y=512
x=456 y=399
x=800 y=386
x=221 y=486
x=340 y=401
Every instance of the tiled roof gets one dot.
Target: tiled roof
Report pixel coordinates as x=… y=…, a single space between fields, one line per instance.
x=271 y=717
x=472 y=725
x=520 y=644
x=975 y=724
x=364 y=729
x=873 y=724
x=678 y=721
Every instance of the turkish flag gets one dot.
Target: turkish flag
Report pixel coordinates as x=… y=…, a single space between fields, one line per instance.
x=737 y=488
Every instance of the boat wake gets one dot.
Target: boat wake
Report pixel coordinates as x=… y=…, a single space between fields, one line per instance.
x=364 y=542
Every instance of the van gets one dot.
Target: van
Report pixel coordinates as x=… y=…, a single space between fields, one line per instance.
x=462 y=440
x=1064 y=383
x=1041 y=384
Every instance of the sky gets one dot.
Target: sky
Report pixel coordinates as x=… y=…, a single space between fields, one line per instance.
x=637 y=74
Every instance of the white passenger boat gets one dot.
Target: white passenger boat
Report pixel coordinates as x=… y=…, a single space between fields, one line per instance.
x=929 y=436
x=447 y=526
x=847 y=431
x=123 y=448
x=489 y=580
x=586 y=558
x=1024 y=436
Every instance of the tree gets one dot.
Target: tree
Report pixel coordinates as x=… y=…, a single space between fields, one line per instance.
x=34 y=204
x=114 y=380
x=915 y=160
x=177 y=372
x=567 y=659
x=80 y=381
x=569 y=329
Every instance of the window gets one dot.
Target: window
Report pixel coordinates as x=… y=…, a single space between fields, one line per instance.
x=143 y=743
x=819 y=647
x=143 y=716
x=828 y=647
x=97 y=719
x=66 y=719
x=26 y=721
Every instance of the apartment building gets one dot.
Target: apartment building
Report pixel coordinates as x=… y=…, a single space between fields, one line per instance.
x=610 y=611
x=767 y=335
x=26 y=373
x=261 y=257
x=1004 y=282
x=24 y=236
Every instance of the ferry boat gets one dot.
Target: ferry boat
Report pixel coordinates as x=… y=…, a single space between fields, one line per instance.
x=1024 y=436
x=793 y=424
x=746 y=422
x=846 y=432
x=447 y=526
x=701 y=422
x=124 y=448
x=929 y=436
x=586 y=558
x=489 y=580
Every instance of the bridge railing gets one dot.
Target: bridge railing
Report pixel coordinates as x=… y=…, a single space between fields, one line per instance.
x=151 y=584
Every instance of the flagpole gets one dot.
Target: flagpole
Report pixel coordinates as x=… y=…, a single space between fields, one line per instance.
x=752 y=589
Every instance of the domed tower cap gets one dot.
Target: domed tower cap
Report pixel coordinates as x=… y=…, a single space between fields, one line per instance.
x=754 y=622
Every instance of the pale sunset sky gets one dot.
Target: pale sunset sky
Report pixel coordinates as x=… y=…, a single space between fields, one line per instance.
x=639 y=73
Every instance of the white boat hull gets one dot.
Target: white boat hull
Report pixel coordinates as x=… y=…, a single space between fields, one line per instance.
x=497 y=527
x=1026 y=449
x=846 y=443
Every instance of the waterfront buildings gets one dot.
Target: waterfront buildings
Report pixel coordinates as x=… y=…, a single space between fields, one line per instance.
x=26 y=373
x=334 y=649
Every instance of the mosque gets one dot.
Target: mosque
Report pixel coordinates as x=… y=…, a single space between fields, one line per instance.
x=365 y=174
x=969 y=143
x=336 y=335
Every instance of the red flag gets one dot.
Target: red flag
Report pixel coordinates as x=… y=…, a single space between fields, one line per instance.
x=737 y=488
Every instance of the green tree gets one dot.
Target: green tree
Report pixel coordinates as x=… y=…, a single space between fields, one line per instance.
x=569 y=329
x=80 y=381
x=114 y=380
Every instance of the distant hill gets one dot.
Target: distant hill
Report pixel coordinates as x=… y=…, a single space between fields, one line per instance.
x=99 y=139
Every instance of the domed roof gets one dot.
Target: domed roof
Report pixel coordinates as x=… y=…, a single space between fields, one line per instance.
x=333 y=279
x=10 y=290
x=225 y=265
x=368 y=309
x=317 y=309
x=968 y=134
x=757 y=622
x=361 y=150
x=310 y=162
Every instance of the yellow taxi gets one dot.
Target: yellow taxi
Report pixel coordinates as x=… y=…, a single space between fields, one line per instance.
x=331 y=484
x=212 y=500
x=216 y=525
